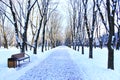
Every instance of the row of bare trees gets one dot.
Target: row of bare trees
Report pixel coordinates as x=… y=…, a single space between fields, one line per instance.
x=6 y=35
x=37 y=22
x=86 y=18
x=31 y=19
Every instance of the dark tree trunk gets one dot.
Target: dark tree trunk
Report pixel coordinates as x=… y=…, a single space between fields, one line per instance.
x=24 y=36
x=118 y=39
x=92 y=32
x=75 y=45
x=89 y=33
x=43 y=38
x=5 y=41
x=110 y=16
x=15 y=23
x=111 y=34
x=36 y=38
x=82 y=48
x=46 y=45
x=23 y=46
x=110 y=56
x=110 y=53
x=72 y=40
x=90 y=48
x=45 y=19
x=35 y=48
x=101 y=44
x=78 y=47
x=4 y=33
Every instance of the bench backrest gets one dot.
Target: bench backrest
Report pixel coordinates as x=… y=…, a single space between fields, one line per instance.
x=19 y=55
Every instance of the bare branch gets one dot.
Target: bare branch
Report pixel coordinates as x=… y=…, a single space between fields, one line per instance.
x=6 y=15
x=101 y=15
x=39 y=9
x=32 y=5
x=5 y=3
x=23 y=14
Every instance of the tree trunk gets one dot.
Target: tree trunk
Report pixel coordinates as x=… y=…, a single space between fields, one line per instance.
x=23 y=43
x=35 y=50
x=5 y=41
x=101 y=44
x=45 y=19
x=110 y=57
x=90 y=48
x=110 y=52
x=15 y=23
x=43 y=38
x=36 y=38
x=78 y=48
x=46 y=45
x=111 y=34
x=75 y=45
x=118 y=39
x=82 y=48
x=4 y=33
x=35 y=47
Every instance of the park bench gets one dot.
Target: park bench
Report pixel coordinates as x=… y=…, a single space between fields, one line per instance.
x=20 y=57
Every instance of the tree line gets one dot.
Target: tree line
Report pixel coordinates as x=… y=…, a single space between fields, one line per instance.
x=31 y=19
x=93 y=23
x=38 y=23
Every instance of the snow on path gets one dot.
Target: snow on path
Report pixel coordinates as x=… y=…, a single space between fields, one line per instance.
x=57 y=66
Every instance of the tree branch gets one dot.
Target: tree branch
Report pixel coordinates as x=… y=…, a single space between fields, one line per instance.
x=5 y=3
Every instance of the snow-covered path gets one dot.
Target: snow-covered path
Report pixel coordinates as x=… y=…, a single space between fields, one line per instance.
x=57 y=66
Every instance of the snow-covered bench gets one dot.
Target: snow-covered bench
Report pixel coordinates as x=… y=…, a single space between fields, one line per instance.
x=20 y=57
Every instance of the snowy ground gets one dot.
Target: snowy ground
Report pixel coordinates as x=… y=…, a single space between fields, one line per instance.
x=61 y=63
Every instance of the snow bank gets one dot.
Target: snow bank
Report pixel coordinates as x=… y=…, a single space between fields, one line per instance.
x=91 y=69
x=96 y=68
x=14 y=73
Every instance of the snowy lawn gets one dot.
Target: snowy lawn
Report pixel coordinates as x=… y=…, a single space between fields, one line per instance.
x=91 y=69
x=96 y=68
x=14 y=73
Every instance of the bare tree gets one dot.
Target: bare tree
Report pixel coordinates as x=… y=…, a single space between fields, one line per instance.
x=111 y=16
x=68 y=36
x=16 y=19
x=45 y=10
x=118 y=20
x=80 y=34
x=69 y=28
x=3 y=26
x=90 y=30
x=110 y=8
x=54 y=29
x=5 y=43
x=73 y=15
x=34 y=26
x=45 y=19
